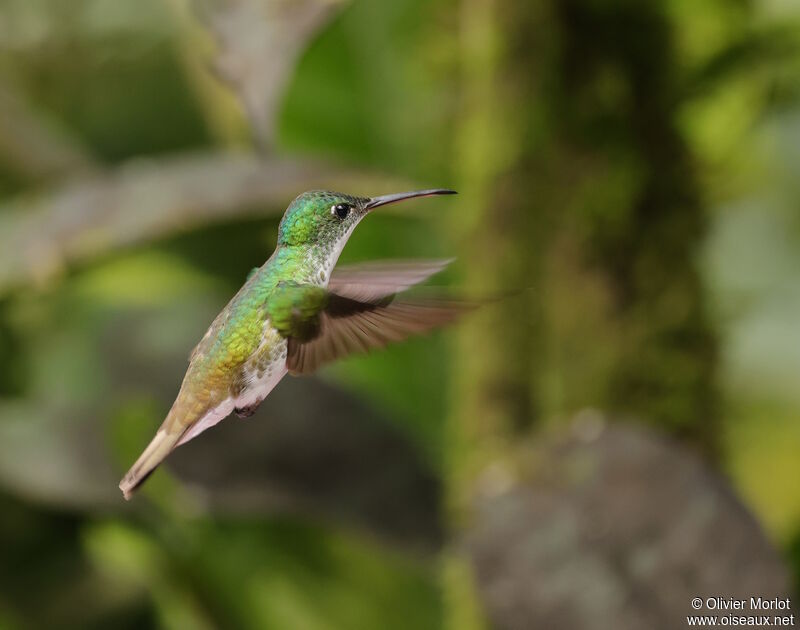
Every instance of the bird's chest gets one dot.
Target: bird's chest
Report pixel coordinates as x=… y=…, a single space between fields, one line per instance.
x=262 y=371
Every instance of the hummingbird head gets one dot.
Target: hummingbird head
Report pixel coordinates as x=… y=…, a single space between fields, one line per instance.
x=328 y=218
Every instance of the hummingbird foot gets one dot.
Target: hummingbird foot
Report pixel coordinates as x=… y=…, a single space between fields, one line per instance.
x=249 y=410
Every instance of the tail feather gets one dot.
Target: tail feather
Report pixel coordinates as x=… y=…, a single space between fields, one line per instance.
x=161 y=445
x=184 y=421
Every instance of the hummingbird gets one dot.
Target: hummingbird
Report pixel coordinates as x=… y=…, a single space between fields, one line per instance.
x=295 y=313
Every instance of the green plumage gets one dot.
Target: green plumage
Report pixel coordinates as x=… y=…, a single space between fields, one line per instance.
x=282 y=298
x=294 y=309
x=273 y=324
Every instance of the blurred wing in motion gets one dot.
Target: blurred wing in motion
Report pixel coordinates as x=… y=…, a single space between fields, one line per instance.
x=349 y=326
x=368 y=282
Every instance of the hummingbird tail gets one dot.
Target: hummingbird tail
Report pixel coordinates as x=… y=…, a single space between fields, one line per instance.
x=160 y=446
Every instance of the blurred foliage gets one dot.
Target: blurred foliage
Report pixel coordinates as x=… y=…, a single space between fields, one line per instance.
x=632 y=167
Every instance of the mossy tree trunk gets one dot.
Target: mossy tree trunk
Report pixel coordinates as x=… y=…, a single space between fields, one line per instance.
x=577 y=189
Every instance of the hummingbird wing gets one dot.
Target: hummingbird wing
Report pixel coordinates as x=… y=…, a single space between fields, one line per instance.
x=349 y=326
x=375 y=280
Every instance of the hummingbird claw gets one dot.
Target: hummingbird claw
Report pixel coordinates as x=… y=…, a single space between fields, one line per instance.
x=249 y=410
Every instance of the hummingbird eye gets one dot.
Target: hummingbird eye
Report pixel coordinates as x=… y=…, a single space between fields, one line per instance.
x=341 y=210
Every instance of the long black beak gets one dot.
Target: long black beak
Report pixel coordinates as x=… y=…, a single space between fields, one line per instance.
x=383 y=200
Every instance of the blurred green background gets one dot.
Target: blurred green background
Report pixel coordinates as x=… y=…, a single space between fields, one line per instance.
x=631 y=167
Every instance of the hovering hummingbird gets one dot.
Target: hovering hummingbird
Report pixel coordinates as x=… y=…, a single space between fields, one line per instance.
x=294 y=314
